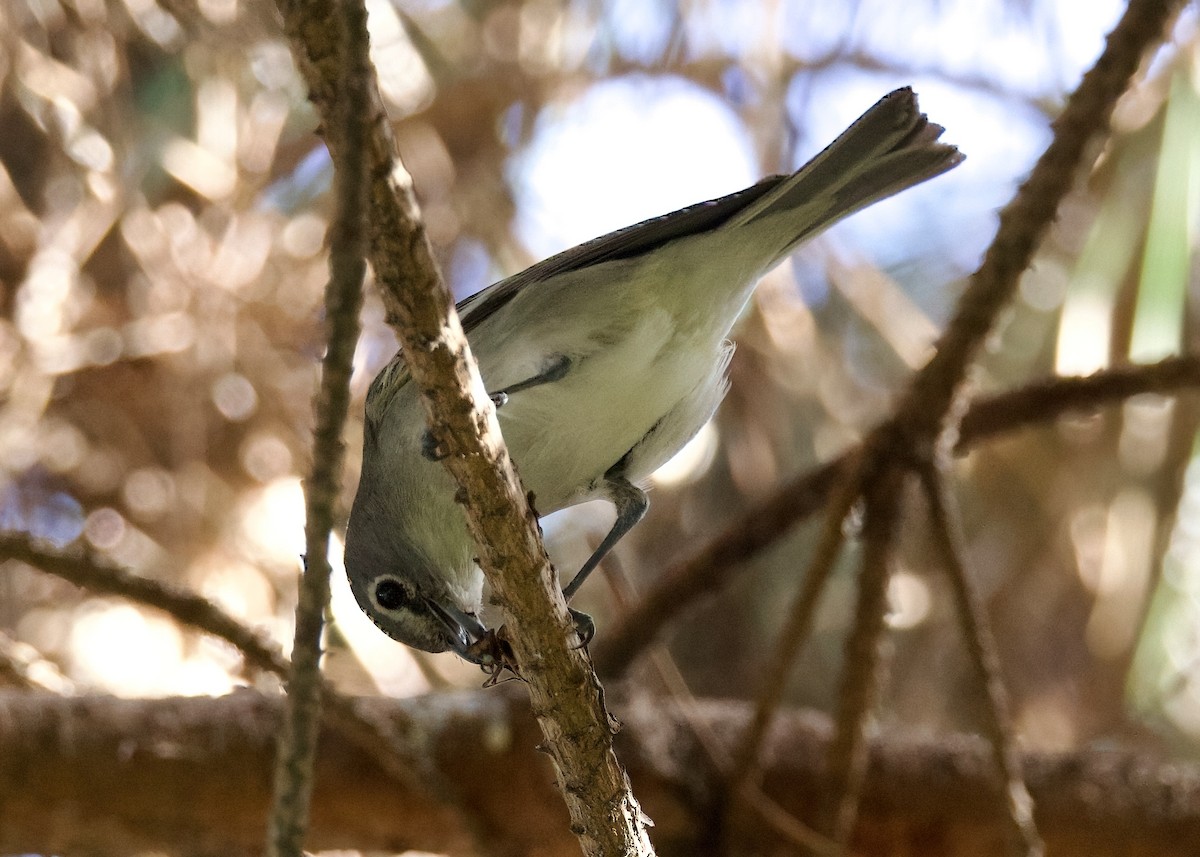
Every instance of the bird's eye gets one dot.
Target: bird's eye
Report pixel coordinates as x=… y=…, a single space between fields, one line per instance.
x=391 y=594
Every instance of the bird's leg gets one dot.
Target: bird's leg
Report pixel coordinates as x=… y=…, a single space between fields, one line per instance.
x=430 y=448
x=631 y=503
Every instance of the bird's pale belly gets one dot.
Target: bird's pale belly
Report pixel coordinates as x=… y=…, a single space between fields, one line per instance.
x=566 y=435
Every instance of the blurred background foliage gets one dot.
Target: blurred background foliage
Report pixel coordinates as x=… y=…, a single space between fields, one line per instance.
x=163 y=209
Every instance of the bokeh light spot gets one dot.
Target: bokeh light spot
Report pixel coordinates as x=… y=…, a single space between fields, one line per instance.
x=909 y=600
x=234 y=397
x=304 y=236
x=265 y=456
x=149 y=491
x=104 y=528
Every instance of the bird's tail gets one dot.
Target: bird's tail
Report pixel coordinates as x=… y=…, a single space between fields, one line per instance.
x=891 y=147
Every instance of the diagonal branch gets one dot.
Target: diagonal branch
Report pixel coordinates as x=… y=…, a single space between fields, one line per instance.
x=95 y=573
x=716 y=565
x=563 y=688
x=933 y=405
x=1027 y=218
x=798 y=624
x=381 y=739
x=947 y=538
x=1045 y=400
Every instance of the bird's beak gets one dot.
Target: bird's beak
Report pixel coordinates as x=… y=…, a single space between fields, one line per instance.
x=463 y=628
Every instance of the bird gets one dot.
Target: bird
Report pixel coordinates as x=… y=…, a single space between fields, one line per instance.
x=602 y=361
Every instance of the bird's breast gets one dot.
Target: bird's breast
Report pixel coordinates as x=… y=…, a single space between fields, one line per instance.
x=565 y=435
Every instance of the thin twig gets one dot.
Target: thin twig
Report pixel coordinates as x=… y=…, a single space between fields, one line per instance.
x=1041 y=401
x=799 y=620
x=750 y=794
x=948 y=540
x=685 y=583
x=95 y=573
x=847 y=759
x=927 y=410
x=377 y=736
x=295 y=757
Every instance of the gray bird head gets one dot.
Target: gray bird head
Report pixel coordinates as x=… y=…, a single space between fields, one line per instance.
x=402 y=592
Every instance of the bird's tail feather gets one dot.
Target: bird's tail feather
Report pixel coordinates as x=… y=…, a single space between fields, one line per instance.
x=891 y=147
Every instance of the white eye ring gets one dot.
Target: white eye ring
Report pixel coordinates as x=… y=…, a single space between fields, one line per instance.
x=390 y=595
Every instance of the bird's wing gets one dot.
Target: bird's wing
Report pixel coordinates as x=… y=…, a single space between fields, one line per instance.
x=623 y=244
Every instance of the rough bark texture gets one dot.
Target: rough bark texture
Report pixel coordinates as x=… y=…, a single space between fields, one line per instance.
x=566 y=696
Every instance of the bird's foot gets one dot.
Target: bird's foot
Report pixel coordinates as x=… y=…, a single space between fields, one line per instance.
x=585 y=627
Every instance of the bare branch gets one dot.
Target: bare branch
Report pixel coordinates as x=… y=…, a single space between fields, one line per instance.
x=564 y=690
x=389 y=747
x=798 y=623
x=288 y=822
x=981 y=645
x=95 y=573
x=847 y=764
x=716 y=565
x=1025 y=220
x=1041 y=401
x=194 y=779
x=928 y=409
